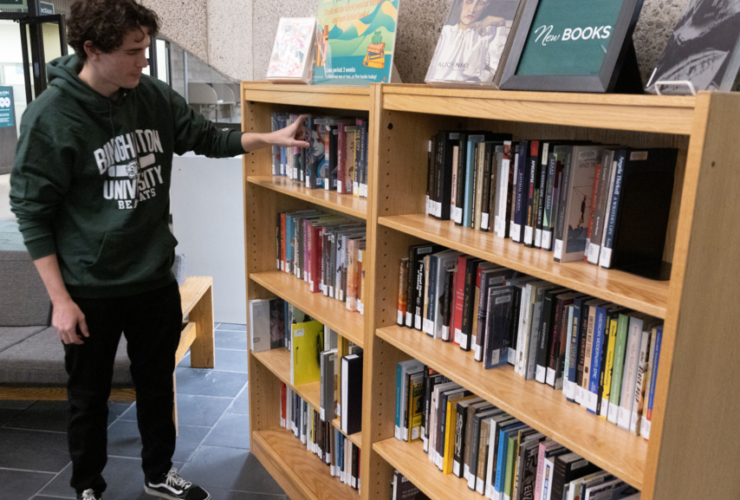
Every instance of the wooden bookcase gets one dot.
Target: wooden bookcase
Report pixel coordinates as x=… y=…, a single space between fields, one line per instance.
x=692 y=448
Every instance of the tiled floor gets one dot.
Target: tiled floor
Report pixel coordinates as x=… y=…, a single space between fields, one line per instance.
x=212 y=448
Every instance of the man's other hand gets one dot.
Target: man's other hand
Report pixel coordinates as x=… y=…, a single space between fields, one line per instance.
x=67 y=317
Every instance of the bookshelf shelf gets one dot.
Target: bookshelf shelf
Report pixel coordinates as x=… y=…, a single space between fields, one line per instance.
x=330 y=312
x=631 y=291
x=411 y=461
x=665 y=114
x=355 y=98
x=536 y=404
x=278 y=362
x=298 y=471
x=346 y=204
x=356 y=438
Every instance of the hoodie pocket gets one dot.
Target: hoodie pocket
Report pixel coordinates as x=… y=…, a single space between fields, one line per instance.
x=133 y=256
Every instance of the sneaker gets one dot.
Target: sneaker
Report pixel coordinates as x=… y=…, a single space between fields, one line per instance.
x=89 y=494
x=173 y=487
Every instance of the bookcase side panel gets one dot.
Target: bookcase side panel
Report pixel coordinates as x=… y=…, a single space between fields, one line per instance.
x=692 y=451
x=264 y=397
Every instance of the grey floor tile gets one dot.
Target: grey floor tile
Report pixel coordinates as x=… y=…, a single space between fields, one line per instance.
x=231 y=361
x=231 y=340
x=221 y=494
x=7 y=415
x=115 y=410
x=15 y=405
x=203 y=411
x=241 y=403
x=209 y=382
x=232 y=327
x=19 y=485
x=185 y=361
x=124 y=440
x=231 y=431
x=43 y=416
x=33 y=450
x=229 y=469
x=123 y=475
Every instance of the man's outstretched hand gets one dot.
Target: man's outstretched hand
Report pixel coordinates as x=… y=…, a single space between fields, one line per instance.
x=292 y=135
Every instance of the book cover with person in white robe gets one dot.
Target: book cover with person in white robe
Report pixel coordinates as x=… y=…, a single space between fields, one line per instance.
x=472 y=44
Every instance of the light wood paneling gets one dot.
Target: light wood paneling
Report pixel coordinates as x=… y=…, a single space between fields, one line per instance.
x=693 y=451
x=346 y=204
x=330 y=312
x=671 y=115
x=411 y=461
x=186 y=340
x=277 y=361
x=632 y=291
x=535 y=404
x=297 y=470
x=309 y=96
x=355 y=438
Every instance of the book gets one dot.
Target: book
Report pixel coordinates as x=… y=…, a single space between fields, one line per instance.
x=602 y=184
x=468 y=56
x=402 y=291
x=351 y=394
x=500 y=316
x=529 y=218
x=571 y=245
x=328 y=367
x=506 y=185
x=415 y=406
x=641 y=382
x=462 y=438
x=629 y=377
x=655 y=362
x=403 y=369
x=307 y=340
x=266 y=324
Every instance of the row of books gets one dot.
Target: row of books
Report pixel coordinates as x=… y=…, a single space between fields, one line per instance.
x=325 y=251
x=313 y=358
x=601 y=355
x=320 y=437
x=499 y=456
x=606 y=204
x=337 y=159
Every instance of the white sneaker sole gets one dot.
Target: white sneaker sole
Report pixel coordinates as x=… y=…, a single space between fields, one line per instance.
x=158 y=494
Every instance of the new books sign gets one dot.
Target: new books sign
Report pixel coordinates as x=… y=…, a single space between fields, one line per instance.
x=562 y=44
x=576 y=46
x=6 y=107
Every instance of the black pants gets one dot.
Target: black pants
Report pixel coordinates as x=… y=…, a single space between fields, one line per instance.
x=151 y=322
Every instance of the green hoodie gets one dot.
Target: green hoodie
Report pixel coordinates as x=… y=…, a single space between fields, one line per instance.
x=92 y=177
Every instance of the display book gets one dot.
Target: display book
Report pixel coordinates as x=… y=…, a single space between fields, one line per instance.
x=326 y=251
x=497 y=455
x=337 y=159
x=600 y=355
x=403 y=489
x=607 y=204
x=292 y=53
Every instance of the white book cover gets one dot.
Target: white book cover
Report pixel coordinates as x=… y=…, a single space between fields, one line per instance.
x=292 y=52
x=259 y=325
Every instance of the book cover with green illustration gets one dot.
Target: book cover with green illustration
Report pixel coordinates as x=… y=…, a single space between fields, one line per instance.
x=355 y=41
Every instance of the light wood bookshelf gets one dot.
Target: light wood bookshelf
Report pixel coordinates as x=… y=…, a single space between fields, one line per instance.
x=691 y=452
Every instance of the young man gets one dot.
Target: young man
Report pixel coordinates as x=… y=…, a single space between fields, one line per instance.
x=90 y=189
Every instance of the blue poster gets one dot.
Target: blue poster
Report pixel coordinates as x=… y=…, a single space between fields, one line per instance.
x=6 y=107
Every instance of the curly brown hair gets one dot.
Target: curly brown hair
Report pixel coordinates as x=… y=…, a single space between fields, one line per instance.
x=106 y=22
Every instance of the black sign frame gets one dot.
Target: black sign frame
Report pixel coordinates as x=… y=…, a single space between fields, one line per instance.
x=619 y=53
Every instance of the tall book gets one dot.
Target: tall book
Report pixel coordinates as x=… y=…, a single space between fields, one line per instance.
x=306 y=341
x=352 y=394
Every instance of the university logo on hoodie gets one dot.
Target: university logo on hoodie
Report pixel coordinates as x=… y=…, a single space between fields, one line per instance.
x=131 y=168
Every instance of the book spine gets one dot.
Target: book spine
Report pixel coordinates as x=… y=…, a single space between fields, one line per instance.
x=410 y=288
x=469 y=196
x=565 y=157
x=605 y=257
x=341 y=159
x=520 y=202
x=419 y=292
x=641 y=384
x=428 y=323
x=541 y=194
x=447 y=304
x=511 y=203
x=555 y=344
x=468 y=303
x=596 y=355
x=545 y=337
x=430 y=175
x=453 y=193
x=488 y=188
x=569 y=388
x=609 y=385
x=592 y=208
x=632 y=354
x=645 y=427
x=533 y=162
x=402 y=290
x=439 y=167
x=478 y=473
x=459 y=297
x=505 y=189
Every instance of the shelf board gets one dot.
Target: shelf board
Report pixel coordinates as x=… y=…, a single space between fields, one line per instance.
x=643 y=113
x=640 y=294
x=538 y=405
x=323 y=96
x=298 y=471
x=330 y=312
x=344 y=203
x=278 y=362
x=356 y=438
x=411 y=461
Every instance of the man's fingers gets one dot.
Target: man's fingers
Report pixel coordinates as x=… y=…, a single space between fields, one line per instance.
x=83 y=327
x=300 y=144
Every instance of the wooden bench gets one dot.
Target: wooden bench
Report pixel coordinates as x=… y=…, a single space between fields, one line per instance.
x=197 y=335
